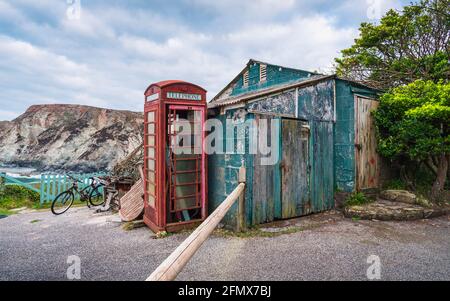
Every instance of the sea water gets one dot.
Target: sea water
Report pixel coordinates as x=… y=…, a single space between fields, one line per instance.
x=21 y=173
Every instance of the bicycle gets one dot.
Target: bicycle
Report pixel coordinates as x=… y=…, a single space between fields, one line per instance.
x=91 y=194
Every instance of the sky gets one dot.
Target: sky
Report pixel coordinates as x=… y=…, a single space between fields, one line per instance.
x=106 y=53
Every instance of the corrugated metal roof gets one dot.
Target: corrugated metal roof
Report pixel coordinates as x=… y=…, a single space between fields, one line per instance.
x=252 y=61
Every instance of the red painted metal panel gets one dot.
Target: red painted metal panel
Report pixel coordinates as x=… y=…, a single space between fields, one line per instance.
x=164 y=99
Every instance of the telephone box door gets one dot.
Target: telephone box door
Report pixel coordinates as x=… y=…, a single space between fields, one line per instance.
x=185 y=164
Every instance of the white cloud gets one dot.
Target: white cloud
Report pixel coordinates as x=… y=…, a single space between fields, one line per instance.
x=109 y=56
x=254 y=8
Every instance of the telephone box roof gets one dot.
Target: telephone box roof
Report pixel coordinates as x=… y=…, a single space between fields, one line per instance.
x=167 y=83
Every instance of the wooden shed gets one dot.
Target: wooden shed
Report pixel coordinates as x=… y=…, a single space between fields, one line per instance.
x=323 y=132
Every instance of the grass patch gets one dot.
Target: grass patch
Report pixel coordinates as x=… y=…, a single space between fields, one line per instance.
x=76 y=203
x=35 y=221
x=356 y=218
x=6 y=212
x=395 y=184
x=14 y=196
x=357 y=199
x=258 y=232
x=128 y=226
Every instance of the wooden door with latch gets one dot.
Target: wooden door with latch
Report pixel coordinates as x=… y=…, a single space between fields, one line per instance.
x=366 y=156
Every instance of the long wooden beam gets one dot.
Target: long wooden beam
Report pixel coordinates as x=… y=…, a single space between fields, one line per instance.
x=172 y=266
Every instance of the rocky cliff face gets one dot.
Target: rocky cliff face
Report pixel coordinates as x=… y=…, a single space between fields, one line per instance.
x=70 y=138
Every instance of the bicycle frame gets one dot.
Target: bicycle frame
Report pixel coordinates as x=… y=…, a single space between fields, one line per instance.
x=84 y=196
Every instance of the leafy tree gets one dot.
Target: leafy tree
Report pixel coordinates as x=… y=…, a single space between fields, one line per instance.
x=413 y=124
x=405 y=46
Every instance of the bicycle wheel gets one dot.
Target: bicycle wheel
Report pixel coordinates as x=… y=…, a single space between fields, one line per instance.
x=96 y=196
x=62 y=202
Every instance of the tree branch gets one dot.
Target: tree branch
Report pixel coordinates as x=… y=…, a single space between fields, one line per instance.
x=430 y=164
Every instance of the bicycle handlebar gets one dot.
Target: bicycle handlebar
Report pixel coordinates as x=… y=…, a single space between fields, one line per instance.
x=74 y=179
x=102 y=181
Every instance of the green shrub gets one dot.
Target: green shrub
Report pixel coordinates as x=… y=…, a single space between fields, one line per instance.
x=14 y=196
x=356 y=198
x=396 y=184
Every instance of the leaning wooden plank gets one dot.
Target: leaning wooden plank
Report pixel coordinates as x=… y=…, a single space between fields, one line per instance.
x=172 y=266
x=132 y=203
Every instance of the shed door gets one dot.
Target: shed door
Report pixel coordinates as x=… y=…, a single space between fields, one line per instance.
x=295 y=200
x=367 y=169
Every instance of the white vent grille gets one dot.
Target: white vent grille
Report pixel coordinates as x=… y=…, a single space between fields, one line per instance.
x=246 y=78
x=262 y=73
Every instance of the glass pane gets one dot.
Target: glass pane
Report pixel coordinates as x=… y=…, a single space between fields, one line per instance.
x=151 y=176
x=151 y=116
x=197 y=116
x=151 y=140
x=197 y=150
x=185 y=190
x=151 y=152
x=182 y=165
x=151 y=128
x=187 y=178
x=150 y=189
x=151 y=200
x=185 y=203
x=151 y=164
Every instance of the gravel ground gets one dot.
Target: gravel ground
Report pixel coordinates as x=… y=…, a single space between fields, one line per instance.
x=36 y=245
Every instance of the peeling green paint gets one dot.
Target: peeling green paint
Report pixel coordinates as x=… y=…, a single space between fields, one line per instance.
x=276 y=75
x=344 y=134
x=331 y=153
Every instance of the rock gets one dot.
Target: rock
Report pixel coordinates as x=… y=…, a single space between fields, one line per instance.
x=70 y=138
x=401 y=196
x=392 y=211
x=423 y=202
x=19 y=209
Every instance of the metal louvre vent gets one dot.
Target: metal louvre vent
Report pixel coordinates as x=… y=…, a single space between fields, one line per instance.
x=262 y=73
x=246 y=78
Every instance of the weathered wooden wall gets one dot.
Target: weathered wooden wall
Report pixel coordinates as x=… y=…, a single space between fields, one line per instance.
x=316 y=104
x=344 y=134
x=331 y=152
x=295 y=168
x=367 y=159
x=265 y=184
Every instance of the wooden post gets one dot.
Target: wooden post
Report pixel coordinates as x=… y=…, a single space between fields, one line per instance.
x=141 y=173
x=172 y=266
x=240 y=225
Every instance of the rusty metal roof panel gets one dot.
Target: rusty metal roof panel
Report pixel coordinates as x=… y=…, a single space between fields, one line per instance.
x=273 y=89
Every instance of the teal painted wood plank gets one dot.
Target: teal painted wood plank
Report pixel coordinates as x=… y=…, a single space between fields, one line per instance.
x=295 y=162
x=59 y=184
x=54 y=179
x=18 y=182
x=322 y=171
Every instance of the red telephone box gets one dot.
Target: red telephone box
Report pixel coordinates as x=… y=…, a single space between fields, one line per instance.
x=174 y=156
